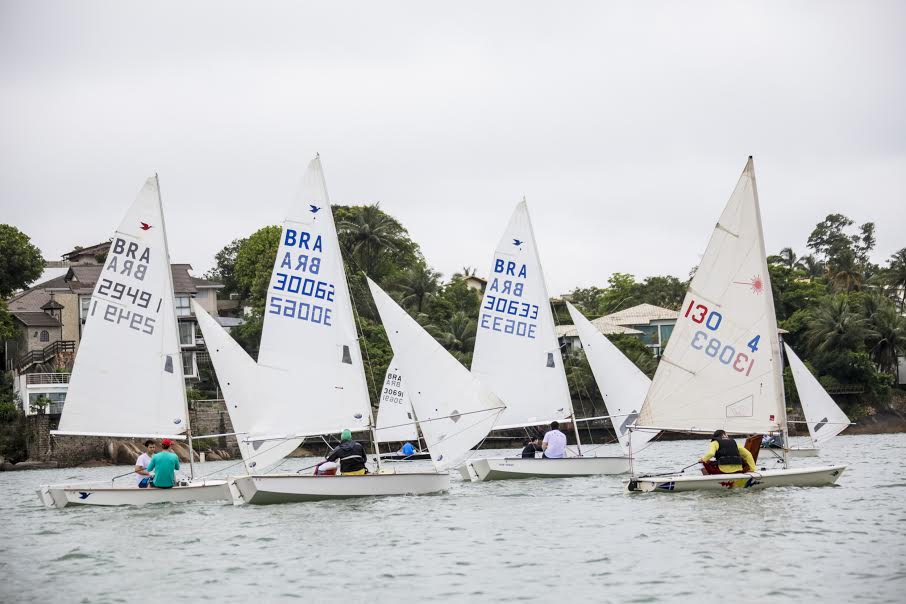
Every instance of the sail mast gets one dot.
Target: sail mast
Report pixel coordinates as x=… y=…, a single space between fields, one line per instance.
x=177 y=362
x=776 y=350
x=549 y=310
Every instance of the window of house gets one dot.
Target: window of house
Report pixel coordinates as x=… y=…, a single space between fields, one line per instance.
x=666 y=330
x=189 y=368
x=183 y=306
x=186 y=333
x=649 y=334
x=45 y=335
x=84 y=306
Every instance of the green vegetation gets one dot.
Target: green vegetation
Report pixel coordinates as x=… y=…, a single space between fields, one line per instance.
x=842 y=312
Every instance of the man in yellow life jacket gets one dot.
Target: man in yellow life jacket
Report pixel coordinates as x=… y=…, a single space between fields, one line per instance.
x=729 y=456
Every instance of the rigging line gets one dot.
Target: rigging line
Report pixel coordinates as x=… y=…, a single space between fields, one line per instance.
x=575 y=384
x=242 y=460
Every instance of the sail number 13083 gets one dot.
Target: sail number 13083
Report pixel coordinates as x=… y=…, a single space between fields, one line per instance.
x=713 y=347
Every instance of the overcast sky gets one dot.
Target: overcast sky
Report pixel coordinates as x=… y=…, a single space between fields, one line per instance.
x=625 y=125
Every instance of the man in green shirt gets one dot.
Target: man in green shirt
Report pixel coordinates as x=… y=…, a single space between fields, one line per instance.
x=164 y=463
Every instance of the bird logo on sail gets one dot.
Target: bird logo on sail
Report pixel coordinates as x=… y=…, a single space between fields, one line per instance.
x=517 y=242
x=145 y=226
x=313 y=208
x=756 y=283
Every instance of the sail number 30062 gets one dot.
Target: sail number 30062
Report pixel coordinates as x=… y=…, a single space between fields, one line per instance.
x=711 y=346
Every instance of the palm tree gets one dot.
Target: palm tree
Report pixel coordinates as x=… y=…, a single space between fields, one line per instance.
x=895 y=275
x=811 y=265
x=458 y=336
x=886 y=339
x=834 y=326
x=845 y=272
x=788 y=257
x=369 y=236
x=416 y=286
x=465 y=273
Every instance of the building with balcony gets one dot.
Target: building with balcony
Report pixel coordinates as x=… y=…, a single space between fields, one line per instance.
x=51 y=316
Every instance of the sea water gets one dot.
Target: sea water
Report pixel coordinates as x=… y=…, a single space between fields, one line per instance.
x=528 y=540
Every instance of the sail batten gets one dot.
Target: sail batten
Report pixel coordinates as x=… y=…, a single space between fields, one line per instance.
x=517 y=354
x=723 y=365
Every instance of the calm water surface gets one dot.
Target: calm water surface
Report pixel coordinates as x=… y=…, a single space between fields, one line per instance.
x=527 y=540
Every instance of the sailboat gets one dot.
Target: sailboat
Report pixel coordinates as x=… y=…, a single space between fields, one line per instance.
x=309 y=378
x=823 y=416
x=127 y=379
x=395 y=417
x=454 y=409
x=622 y=384
x=721 y=368
x=517 y=356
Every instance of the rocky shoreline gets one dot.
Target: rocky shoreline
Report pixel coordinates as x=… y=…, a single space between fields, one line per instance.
x=124 y=452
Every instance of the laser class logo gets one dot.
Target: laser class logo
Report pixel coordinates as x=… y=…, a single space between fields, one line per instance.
x=145 y=226
x=313 y=208
x=756 y=283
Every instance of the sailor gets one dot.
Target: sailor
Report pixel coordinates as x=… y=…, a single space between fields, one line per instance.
x=532 y=446
x=407 y=449
x=164 y=463
x=729 y=456
x=554 y=443
x=141 y=464
x=350 y=454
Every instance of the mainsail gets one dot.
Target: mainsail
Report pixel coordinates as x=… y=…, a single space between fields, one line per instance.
x=309 y=379
x=127 y=379
x=516 y=351
x=823 y=417
x=721 y=367
x=455 y=410
x=622 y=384
x=395 y=419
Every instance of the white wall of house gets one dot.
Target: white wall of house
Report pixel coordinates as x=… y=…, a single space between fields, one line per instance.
x=29 y=386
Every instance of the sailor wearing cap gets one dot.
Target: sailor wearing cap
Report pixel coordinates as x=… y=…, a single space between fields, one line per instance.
x=164 y=463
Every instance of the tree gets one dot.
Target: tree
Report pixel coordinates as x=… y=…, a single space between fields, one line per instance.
x=416 y=286
x=845 y=255
x=786 y=257
x=636 y=351
x=20 y=261
x=811 y=266
x=835 y=327
x=373 y=241
x=895 y=276
x=465 y=273
x=886 y=338
x=254 y=263
x=224 y=269
x=458 y=336
x=666 y=291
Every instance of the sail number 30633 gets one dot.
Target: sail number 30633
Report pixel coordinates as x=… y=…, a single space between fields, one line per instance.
x=713 y=347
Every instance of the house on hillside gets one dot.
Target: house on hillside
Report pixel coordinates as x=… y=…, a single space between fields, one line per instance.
x=651 y=324
x=51 y=316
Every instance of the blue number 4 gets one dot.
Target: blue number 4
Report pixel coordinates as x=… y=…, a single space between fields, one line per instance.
x=753 y=343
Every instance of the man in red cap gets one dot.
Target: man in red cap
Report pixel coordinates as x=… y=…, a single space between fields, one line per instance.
x=164 y=463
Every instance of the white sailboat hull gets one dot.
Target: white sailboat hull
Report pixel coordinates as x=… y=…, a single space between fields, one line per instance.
x=800 y=477
x=515 y=468
x=793 y=452
x=103 y=494
x=288 y=488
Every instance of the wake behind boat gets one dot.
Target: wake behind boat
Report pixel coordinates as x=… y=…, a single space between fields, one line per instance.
x=131 y=337
x=721 y=368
